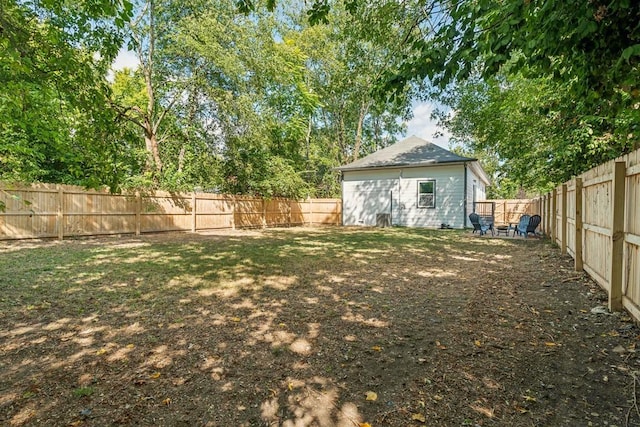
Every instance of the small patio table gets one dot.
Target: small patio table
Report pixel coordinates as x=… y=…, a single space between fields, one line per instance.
x=503 y=229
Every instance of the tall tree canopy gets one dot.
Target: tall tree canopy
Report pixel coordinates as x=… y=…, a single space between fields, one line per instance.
x=588 y=51
x=263 y=103
x=269 y=101
x=507 y=67
x=54 y=124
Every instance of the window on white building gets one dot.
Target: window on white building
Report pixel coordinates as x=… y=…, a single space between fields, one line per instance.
x=427 y=194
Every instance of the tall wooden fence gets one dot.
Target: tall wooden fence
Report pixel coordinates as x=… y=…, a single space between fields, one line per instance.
x=509 y=211
x=595 y=218
x=66 y=211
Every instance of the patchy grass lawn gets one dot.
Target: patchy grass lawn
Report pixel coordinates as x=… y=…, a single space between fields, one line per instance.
x=308 y=327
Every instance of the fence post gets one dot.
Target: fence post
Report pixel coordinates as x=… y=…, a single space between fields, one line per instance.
x=543 y=213
x=138 y=212
x=578 y=225
x=310 y=212
x=194 y=217
x=563 y=221
x=554 y=213
x=264 y=213
x=617 y=236
x=60 y=216
x=233 y=212
x=548 y=215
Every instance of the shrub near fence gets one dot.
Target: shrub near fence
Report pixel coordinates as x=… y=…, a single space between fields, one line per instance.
x=42 y=211
x=595 y=218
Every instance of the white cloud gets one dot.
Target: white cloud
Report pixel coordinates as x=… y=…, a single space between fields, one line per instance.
x=423 y=126
x=125 y=59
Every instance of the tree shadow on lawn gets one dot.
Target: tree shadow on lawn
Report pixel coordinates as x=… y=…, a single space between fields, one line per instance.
x=287 y=327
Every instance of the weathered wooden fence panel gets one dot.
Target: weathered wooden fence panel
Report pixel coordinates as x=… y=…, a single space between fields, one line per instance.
x=214 y=212
x=596 y=194
x=596 y=217
x=322 y=211
x=165 y=212
x=509 y=211
x=248 y=212
x=43 y=211
x=29 y=212
x=570 y=200
x=631 y=253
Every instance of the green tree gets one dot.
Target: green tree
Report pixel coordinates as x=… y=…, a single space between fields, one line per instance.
x=53 y=122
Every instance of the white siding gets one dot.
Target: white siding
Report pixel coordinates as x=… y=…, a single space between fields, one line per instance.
x=481 y=192
x=367 y=193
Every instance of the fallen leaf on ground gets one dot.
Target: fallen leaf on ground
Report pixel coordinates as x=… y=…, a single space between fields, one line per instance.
x=550 y=344
x=155 y=375
x=166 y=401
x=440 y=346
x=371 y=395
x=477 y=343
x=376 y=348
x=235 y=319
x=489 y=413
x=419 y=417
x=364 y=425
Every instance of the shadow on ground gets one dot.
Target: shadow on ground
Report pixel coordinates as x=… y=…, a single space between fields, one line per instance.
x=308 y=327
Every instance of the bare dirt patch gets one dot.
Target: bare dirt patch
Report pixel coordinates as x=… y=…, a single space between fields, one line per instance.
x=309 y=327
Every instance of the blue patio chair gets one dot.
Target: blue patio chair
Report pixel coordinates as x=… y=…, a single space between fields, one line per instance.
x=482 y=225
x=528 y=224
x=475 y=221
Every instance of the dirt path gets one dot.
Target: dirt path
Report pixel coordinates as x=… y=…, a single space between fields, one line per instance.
x=334 y=327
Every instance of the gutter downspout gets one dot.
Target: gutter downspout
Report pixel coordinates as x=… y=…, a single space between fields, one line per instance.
x=464 y=208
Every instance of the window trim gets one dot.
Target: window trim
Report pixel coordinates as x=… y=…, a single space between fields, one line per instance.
x=433 y=203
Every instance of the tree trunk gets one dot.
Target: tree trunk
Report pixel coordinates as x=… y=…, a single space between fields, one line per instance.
x=151 y=142
x=308 y=139
x=364 y=108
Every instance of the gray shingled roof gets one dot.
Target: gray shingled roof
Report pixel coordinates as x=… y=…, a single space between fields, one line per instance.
x=412 y=151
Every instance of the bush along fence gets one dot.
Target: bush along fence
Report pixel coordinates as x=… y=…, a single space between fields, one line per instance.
x=595 y=218
x=55 y=211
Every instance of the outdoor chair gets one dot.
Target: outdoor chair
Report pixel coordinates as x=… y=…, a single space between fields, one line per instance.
x=481 y=224
x=528 y=224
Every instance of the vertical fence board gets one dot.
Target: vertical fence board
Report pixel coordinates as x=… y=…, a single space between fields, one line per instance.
x=577 y=229
x=617 y=234
x=570 y=230
x=44 y=211
x=563 y=219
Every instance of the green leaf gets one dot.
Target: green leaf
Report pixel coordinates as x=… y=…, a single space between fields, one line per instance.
x=629 y=52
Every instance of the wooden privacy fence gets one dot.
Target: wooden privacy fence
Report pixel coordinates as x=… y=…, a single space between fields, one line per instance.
x=66 y=211
x=595 y=218
x=510 y=210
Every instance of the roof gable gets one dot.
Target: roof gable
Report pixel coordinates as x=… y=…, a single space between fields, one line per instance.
x=412 y=151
